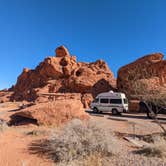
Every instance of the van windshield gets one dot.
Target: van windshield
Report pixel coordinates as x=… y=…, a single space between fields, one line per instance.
x=96 y=100
x=116 y=101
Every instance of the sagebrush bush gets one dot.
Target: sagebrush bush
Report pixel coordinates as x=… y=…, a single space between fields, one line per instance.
x=78 y=140
x=92 y=160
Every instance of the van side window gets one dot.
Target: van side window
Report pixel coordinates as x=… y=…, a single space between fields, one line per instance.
x=104 y=101
x=116 y=101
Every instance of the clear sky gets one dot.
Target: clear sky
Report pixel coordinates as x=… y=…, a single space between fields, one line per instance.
x=118 y=31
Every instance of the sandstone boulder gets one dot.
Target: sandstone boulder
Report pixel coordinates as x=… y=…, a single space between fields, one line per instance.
x=145 y=74
x=52 y=113
x=86 y=99
x=61 y=52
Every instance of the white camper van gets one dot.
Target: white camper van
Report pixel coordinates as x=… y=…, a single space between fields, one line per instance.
x=110 y=102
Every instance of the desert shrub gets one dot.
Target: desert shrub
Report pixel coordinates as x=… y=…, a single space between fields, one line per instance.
x=78 y=140
x=3 y=125
x=155 y=99
x=91 y=160
x=155 y=149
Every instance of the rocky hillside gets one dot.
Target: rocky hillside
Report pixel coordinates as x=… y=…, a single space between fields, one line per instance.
x=63 y=74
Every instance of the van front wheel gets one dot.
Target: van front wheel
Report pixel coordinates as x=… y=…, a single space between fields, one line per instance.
x=115 y=111
x=95 y=110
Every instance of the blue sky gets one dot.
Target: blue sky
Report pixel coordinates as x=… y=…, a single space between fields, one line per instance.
x=118 y=31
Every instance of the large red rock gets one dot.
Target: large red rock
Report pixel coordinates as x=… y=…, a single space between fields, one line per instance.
x=56 y=113
x=63 y=74
x=142 y=76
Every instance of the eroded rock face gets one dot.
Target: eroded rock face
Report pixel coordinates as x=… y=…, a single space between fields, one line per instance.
x=147 y=73
x=87 y=77
x=63 y=74
x=52 y=113
x=61 y=52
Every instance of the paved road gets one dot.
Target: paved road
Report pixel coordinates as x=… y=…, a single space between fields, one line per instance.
x=126 y=121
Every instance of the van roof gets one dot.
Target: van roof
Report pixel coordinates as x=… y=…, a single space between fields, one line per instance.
x=111 y=94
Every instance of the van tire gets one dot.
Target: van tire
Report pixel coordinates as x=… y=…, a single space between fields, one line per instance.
x=95 y=110
x=151 y=115
x=115 y=111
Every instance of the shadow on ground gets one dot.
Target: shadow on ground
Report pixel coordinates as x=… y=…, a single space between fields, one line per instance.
x=134 y=116
x=17 y=120
x=41 y=149
x=15 y=110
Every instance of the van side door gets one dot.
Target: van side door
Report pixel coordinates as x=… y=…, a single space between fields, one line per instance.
x=116 y=103
x=104 y=104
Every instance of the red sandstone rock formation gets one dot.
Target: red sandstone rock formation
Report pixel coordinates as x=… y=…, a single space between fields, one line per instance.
x=148 y=71
x=52 y=113
x=62 y=74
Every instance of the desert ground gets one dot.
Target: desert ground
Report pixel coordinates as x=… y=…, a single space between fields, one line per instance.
x=16 y=140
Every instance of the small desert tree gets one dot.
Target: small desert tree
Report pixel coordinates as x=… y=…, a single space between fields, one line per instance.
x=155 y=99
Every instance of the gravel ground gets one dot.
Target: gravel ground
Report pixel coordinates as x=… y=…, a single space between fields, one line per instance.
x=130 y=159
x=136 y=124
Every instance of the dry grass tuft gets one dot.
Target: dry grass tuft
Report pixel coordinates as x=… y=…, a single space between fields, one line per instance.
x=35 y=133
x=92 y=160
x=3 y=125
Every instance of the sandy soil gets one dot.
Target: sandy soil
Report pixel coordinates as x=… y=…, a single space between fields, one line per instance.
x=14 y=151
x=15 y=140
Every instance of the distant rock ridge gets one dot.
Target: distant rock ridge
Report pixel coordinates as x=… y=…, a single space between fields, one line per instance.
x=63 y=74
